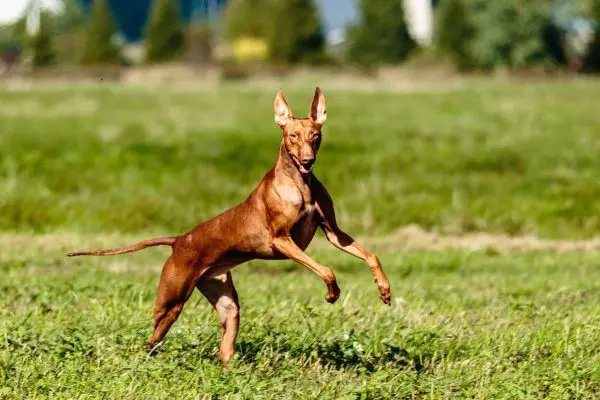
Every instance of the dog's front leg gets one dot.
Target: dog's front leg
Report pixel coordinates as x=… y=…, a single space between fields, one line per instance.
x=346 y=243
x=286 y=246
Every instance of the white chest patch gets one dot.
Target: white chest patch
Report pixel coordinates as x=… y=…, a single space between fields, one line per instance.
x=309 y=210
x=306 y=213
x=290 y=194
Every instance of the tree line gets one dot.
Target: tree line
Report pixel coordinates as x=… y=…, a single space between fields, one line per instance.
x=472 y=34
x=95 y=39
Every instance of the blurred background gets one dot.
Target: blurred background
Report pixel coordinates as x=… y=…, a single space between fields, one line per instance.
x=452 y=115
x=461 y=147
x=246 y=37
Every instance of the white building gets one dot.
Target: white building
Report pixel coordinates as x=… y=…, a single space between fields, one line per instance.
x=337 y=14
x=12 y=10
x=420 y=18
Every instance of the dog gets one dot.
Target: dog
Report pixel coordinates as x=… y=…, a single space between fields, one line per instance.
x=276 y=221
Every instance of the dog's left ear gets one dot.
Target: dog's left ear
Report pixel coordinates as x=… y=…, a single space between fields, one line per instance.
x=318 y=112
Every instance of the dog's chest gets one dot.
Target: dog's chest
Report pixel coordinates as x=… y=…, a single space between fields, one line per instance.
x=291 y=195
x=305 y=226
x=297 y=199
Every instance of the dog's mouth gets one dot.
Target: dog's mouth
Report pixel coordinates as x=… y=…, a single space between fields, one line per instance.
x=303 y=168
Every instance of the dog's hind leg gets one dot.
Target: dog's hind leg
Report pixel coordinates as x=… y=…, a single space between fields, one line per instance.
x=176 y=285
x=222 y=295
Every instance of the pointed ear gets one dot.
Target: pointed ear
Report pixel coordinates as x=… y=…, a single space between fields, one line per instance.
x=318 y=112
x=283 y=113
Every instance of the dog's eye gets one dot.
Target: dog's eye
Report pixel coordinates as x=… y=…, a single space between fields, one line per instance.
x=316 y=135
x=293 y=136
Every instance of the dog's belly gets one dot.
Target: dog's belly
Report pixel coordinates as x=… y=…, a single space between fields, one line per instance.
x=223 y=266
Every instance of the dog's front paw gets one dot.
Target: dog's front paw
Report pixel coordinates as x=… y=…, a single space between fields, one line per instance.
x=332 y=298
x=333 y=293
x=385 y=295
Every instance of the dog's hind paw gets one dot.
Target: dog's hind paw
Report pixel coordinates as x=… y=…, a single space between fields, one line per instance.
x=149 y=347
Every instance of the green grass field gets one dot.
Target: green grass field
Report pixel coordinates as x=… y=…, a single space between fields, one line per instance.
x=84 y=167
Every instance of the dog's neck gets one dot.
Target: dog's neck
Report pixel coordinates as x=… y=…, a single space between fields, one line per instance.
x=285 y=165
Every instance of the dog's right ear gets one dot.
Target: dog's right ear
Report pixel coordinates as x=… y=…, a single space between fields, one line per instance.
x=283 y=113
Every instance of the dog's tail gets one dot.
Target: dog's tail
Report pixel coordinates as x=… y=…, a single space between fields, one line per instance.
x=166 y=241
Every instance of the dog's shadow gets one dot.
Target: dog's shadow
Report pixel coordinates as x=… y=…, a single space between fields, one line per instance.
x=418 y=351
x=343 y=353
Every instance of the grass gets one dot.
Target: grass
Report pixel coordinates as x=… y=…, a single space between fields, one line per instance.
x=517 y=159
x=471 y=325
x=85 y=166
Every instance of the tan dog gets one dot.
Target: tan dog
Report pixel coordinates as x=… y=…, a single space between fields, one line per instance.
x=277 y=221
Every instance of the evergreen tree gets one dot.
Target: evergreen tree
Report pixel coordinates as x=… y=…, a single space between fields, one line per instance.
x=454 y=32
x=70 y=18
x=165 y=38
x=382 y=36
x=42 y=46
x=297 y=35
x=592 y=61
x=247 y=18
x=99 y=48
x=19 y=35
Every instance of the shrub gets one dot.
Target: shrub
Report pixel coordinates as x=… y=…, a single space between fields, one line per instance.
x=382 y=36
x=12 y=42
x=250 y=49
x=454 y=32
x=510 y=33
x=165 y=36
x=198 y=44
x=230 y=69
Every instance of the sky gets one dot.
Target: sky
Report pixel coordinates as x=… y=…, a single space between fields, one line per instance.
x=337 y=13
x=11 y=10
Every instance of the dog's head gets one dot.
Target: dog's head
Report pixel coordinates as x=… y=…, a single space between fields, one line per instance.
x=301 y=136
